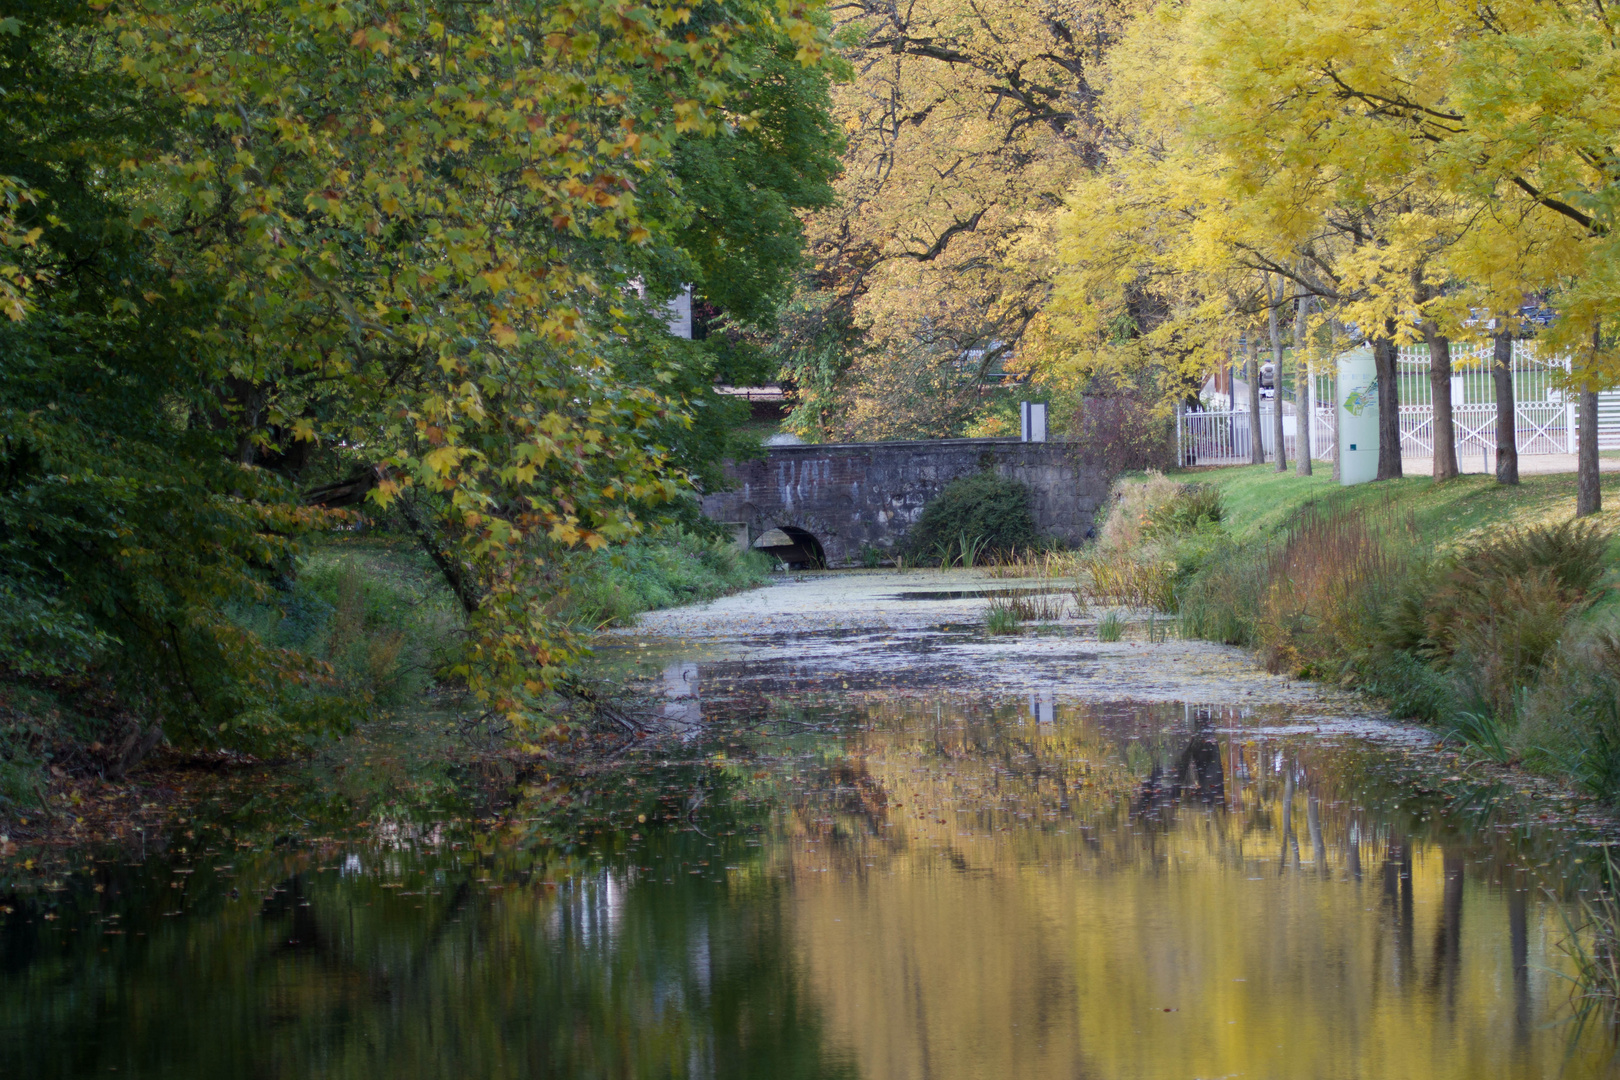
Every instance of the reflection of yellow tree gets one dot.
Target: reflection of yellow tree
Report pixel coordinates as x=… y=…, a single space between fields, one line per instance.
x=1023 y=910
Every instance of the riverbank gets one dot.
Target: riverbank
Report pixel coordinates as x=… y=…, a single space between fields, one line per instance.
x=1480 y=610
x=884 y=634
x=78 y=768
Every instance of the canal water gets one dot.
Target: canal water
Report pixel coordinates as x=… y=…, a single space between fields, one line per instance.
x=904 y=884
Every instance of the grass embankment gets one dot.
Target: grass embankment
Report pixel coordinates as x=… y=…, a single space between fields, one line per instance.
x=376 y=611
x=1481 y=609
x=1259 y=501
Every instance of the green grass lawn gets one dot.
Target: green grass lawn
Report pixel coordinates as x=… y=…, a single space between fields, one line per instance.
x=1258 y=500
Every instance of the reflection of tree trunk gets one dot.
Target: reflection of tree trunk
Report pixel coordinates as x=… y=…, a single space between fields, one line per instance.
x=1202 y=759
x=1448 y=935
x=1398 y=894
x=1288 y=840
x=1313 y=821
x=1352 y=850
x=1519 y=939
x=1389 y=406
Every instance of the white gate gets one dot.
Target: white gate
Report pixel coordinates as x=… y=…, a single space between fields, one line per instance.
x=1544 y=420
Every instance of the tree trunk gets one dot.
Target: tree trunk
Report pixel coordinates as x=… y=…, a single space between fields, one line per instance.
x=456 y=576
x=1445 y=432
x=1277 y=376
x=1507 y=412
x=1389 y=408
x=1333 y=368
x=1257 y=446
x=1588 y=496
x=1304 y=412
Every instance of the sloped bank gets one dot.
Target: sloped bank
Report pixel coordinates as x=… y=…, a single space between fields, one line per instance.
x=1482 y=611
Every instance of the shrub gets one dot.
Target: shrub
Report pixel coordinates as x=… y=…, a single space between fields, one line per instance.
x=991 y=513
x=1122 y=429
x=1157 y=508
x=1493 y=615
x=1516 y=625
x=1572 y=721
x=1132 y=508
x=1193 y=507
x=1220 y=597
x=1548 y=570
x=1327 y=585
x=382 y=619
x=1413 y=689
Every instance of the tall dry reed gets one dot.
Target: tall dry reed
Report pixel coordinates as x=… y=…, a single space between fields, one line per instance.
x=1042 y=563
x=1116 y=577
x=1328 y=583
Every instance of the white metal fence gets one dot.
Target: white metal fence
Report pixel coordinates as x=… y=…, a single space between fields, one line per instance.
x=1544 y=421
x=1226 y=436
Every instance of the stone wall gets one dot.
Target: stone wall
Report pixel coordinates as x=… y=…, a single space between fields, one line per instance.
x=852 y=494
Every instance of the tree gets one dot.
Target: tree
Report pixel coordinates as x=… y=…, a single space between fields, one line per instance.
x=965 y=132
x=1511 y=107
x=250 y=247
x=127 y=523
x=1272 y=304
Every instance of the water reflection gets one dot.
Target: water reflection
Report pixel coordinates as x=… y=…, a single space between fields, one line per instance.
x=931 y=887
x=684 y=707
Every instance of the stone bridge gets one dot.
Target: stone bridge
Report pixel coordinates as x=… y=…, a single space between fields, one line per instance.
x=832 y=500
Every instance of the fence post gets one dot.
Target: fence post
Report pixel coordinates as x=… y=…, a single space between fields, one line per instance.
x=1569 y=427
x=1181 y=459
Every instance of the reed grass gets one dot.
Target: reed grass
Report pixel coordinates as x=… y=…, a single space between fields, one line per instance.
x=964 y=551
x=1591 y=943
x=1326 y=586
x=1001 y=617
x=1111 y=627
x=1045 y=563
x=1118 y=577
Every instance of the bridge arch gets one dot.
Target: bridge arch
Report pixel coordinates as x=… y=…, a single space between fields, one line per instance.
x=796 y=547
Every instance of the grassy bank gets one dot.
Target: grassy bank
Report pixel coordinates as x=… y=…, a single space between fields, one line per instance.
x=1482 y=610
x=662 y=570
x=376 y=616
x=1259 y=502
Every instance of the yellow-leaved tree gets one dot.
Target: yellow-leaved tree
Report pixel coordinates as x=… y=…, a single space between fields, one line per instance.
x=965 y=128
x=1413 y=170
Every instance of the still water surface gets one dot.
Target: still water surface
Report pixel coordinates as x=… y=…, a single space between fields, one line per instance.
x=875 y=885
